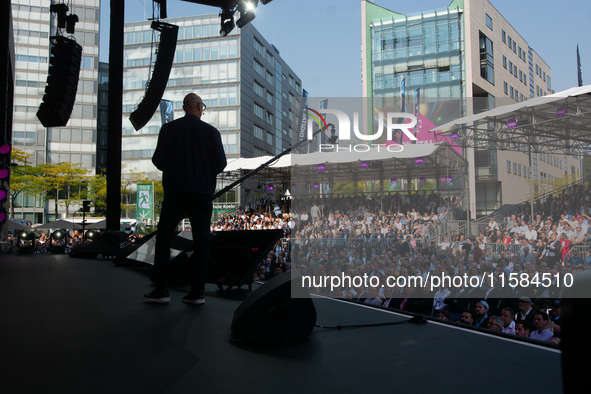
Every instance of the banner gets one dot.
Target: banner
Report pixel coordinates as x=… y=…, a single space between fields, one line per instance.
x=303 y=122
x=144 y=203
x=166 y=111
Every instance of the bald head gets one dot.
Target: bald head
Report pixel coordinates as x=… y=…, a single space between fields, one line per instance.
x=192 y=104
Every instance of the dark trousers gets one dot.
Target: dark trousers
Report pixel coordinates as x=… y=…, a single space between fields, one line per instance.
x=175 y=207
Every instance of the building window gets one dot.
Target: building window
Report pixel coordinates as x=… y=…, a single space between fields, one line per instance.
x=269 y=138
x=259 y=111
x=487 y=68
x=519 y=169
x=544 y=76
x=508 y=164
x=489 y=22
x=512 y=92
x=258 y=67
x=510 y=66
x=549 y=83
x=514 y=47
x=515 y=168
x=258 y=132
x=258 y=89
x=520 y=76
x=504 y=61
x=506 y=87
x=515 y=71
x=510 y=42
x=503 y=36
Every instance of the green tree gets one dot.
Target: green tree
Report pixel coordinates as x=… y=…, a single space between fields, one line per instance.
x=64 y=182
x=24 y=178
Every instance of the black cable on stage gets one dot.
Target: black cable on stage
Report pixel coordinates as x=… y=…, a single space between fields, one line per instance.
x=414 y=320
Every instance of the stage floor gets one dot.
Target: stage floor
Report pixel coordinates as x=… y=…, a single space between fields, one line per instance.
x=80 y=326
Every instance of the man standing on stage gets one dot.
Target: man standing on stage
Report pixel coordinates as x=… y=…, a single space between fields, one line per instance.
x=190 y=154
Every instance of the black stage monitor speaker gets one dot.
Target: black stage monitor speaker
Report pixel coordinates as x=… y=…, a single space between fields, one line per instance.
x=157 y=84
x=108 y=244
x=279 y=309
x=62 y=82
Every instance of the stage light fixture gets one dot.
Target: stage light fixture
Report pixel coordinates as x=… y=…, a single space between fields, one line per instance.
x=512 y=122
x=454 y=136
x=60 y=10
x=71 y=21
x=364 y=165
x=422 y=179
x=321 y=168
x=58 y=235
x=250 y=5
x=4 y=172
x=3 y=194
x=5 y=148
x=561 y=110
x=245 y=18
x=162 y=3
x=394 y=181
x=227 y=22
x=265 y=2
x=419 y=160
x=270 y=187
x=316 y=185
x=3 y=215
x=91 y=235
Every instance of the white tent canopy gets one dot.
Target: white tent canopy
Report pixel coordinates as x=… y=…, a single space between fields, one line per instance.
x=342 y=156
x=560 y=122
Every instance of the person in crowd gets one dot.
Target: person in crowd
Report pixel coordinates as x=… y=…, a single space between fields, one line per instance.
x=542 y=332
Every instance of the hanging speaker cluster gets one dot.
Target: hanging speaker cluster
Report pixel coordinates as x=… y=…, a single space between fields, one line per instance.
x=62 y=82
x=162 y=67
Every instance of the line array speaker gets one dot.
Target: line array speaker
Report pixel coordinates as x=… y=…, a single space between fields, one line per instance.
x=157 y=84
x=62 y=82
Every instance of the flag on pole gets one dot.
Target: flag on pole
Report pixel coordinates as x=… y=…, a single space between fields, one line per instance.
x=579 y=69
x=166 y=111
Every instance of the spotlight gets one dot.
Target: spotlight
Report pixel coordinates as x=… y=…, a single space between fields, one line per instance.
x=316 y=185
x=91 y=235
x=5 y=148
x=3 y=215
x=454 y=136
x=71 y=21
x=251 y=5
x=60 y=10
x=419 y=160
x=293 y=186
x=321 y=168
x=270 y=187
x=512 y=122
x=227 y=22
x=561 y=109
x=4 y=172
x=245 y=18
x=364 y=165
x=422 y=179
x=58 y=235
x=394 y=181
x=3 y=194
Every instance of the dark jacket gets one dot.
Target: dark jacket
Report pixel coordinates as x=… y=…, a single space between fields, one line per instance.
x=190 y=154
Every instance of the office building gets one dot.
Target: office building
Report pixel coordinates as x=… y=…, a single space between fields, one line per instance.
x=76 y=142
x=468 y=52
x=245 y=84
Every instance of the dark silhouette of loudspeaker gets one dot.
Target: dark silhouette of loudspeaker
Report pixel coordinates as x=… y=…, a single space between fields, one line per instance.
x=235 y=255
x=574 y=332
x=108 y=244
x=62 y=82
x=157 y=84
x=279 y=309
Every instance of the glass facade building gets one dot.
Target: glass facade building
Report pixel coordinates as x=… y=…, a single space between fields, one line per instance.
x=466 y=52
x=75 y=143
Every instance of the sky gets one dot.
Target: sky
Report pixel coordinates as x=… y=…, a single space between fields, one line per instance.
x=321 y=39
